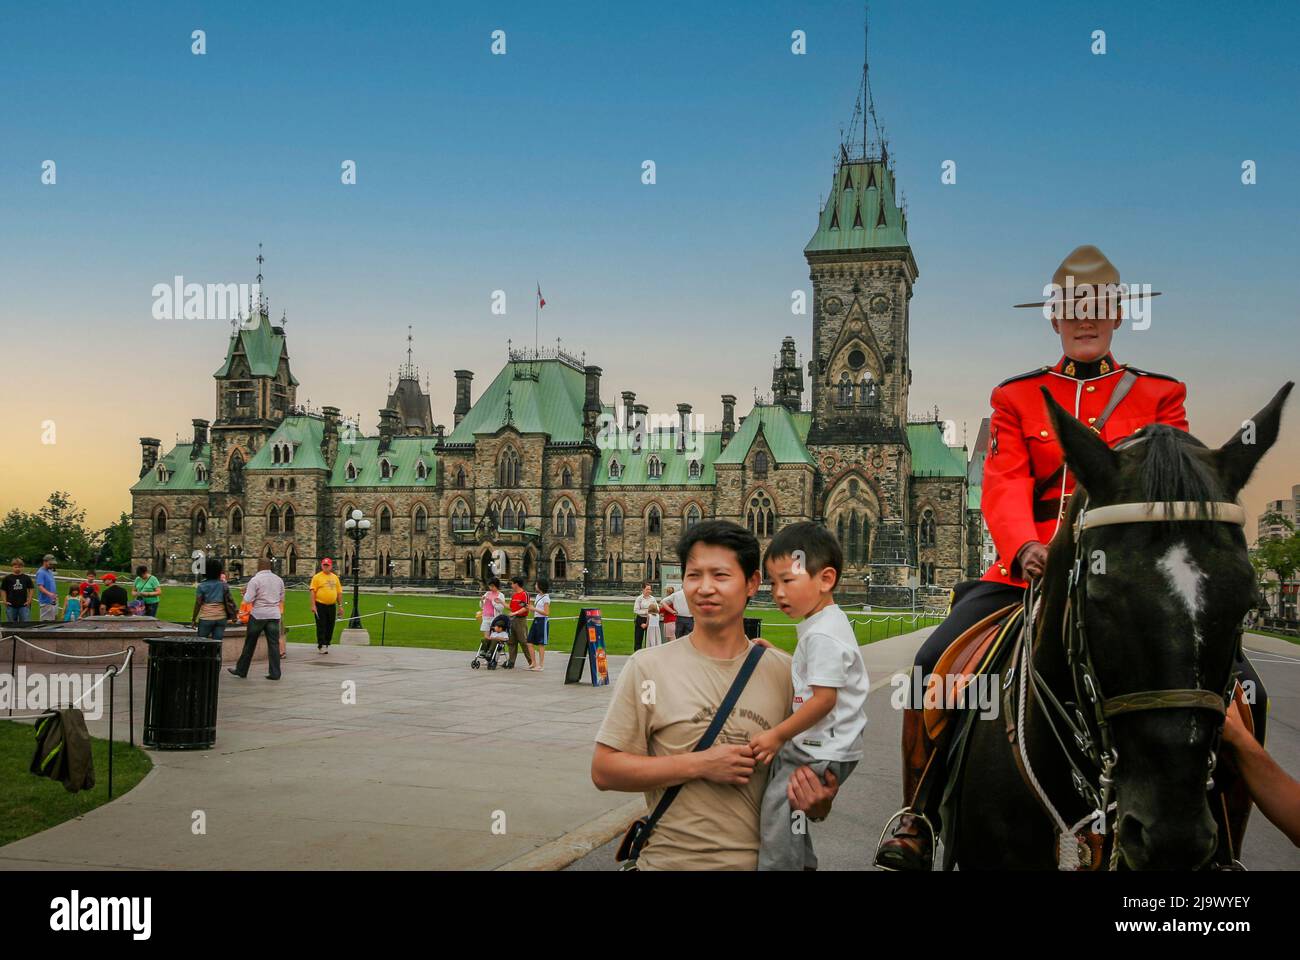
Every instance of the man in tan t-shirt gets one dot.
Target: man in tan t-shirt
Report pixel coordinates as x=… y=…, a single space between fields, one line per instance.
x=662 y=704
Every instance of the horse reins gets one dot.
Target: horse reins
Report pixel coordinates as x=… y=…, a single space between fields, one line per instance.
x=1100 y=748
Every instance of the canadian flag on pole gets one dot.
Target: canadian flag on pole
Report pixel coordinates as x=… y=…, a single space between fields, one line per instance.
x=541 y=301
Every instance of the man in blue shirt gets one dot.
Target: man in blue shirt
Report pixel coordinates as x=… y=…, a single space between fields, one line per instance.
x=47 y=590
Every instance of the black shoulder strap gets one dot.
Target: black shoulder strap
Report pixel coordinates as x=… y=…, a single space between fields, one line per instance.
x=1117 y=395
x=706 y=741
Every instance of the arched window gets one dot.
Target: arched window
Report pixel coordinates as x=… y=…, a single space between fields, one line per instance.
x=508 y=468
x=654 y=521
x=760 y=464
x=566 y=478
x=281 y=482
x=851 y=548
x=615 y=469
x=385 y=469
x=839 y=530
x=460 y=516
x=293 y=560
x=864 y=541
x=270 y=483
x=508 y=517
x=385 y=520
x=288 y=519
x=160 y=521
x=759 y=516
x=275 y=453
x=695 y=470
x=692 y=516
x=236 y=520
x=929 y=531
x=200 y=522
x=460 y=476
x=845 y=385
x=566 y=520
x=615 y=517
x=421 y=520
x=293 y=484
x=559 y=565
x=273 y=520
x=162 y=473
x=351 y=471
x=655 y=467
x=421 y=471
x=201 y=473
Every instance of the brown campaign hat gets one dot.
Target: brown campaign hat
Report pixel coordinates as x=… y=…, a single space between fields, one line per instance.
x=1082 y=274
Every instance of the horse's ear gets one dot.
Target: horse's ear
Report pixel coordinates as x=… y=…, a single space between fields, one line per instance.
x=1236 y=459
x=1087 y=455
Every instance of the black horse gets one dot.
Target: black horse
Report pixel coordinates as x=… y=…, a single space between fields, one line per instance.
x=1133 y=653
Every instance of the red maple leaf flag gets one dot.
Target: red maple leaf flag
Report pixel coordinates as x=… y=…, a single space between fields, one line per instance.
x=541 y=301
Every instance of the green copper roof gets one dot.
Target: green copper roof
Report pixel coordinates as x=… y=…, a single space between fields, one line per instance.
x=802 y=423
x=182 y=469
x=261 y=345
x=862 y=212
x=304 y=433
x=781 y=431
x=931 y=457
x=973 y=494
x=544 y=396
x=403 y=455
x=634 y=467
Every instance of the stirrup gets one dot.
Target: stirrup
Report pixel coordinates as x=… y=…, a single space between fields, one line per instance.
x=905 y=811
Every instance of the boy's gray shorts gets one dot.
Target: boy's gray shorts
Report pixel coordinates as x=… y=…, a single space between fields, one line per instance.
x=784 y=838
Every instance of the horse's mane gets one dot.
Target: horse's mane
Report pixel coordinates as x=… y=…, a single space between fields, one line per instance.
x=1172 y=472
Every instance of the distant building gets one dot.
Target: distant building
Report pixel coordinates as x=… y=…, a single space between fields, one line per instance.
x=1289 y=509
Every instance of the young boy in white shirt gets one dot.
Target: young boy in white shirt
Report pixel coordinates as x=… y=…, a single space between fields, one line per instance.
x=826 y=729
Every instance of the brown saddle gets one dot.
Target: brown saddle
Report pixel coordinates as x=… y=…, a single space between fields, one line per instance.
x=961 y=663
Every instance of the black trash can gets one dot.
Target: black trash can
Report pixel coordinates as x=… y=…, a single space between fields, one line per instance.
x=180 y=698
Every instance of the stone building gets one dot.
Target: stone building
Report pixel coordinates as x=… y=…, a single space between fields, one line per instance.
x=542 y=474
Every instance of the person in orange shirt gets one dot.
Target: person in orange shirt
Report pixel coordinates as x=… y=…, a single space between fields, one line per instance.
x=1026 y=487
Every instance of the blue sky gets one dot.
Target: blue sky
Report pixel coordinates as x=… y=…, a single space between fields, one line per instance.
x=480 y=172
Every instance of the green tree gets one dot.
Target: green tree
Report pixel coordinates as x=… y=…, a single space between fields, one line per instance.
x=114 y=551
x=59 y=527
x=1278 y=555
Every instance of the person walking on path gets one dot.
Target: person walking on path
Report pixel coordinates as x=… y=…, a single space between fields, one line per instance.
x=491 y=604
x=539 y=632
x=213 y=605
x=265 y=591
x=147 y=590
x=47 y=589
x=519 y=623
x=17 y=591
x=326 y=598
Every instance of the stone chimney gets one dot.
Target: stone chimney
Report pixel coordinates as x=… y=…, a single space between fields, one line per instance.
x=463 y=377
x=591 y=405
x=149 y=448
x=200 y=438
x=628 y=399
x=728 y=418
x=388 y=428
x=329 y=444
x=642 y=416
x=683 y=424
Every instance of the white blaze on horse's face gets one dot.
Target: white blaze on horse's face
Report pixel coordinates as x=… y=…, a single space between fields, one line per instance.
x=1188 y=581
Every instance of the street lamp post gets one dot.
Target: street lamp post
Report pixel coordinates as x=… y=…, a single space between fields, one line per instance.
x=357 y=527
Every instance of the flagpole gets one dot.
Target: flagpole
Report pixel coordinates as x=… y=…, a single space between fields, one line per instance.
x=536 y=297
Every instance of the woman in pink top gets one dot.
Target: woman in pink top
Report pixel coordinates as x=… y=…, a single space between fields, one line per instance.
x=493 y=602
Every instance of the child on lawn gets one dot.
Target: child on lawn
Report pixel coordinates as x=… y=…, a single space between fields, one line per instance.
x=830 y=689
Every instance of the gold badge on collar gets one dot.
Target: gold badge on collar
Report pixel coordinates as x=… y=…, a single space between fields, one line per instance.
x=1105 y=367
x=1069 y=369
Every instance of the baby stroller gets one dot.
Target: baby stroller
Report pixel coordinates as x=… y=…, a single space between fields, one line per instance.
x=493 y=647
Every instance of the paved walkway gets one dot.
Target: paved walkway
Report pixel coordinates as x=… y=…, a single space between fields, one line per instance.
x=436 y=765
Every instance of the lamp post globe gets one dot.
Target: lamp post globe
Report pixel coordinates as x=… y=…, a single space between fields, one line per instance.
x=356 y=526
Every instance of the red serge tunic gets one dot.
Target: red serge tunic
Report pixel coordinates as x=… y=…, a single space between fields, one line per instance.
x=1024 y=452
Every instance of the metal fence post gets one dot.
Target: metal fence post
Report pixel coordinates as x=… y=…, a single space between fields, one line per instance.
x=383 y=629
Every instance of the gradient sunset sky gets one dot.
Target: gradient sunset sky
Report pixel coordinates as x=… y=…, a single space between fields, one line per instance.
x=478 y=172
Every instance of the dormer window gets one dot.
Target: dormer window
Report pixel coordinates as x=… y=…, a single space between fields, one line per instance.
x=760 y=464
x=162 y=473
x=350 y=471
x=695 y=469
x=201 y=473
x=615 y=469
x=655 y=468
x=385 y=469
x=421 y=470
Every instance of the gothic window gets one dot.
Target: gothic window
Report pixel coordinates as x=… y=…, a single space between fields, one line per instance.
x=385 y=469
x=270 y=483
x=460 y=516
x=293 y=484
x=201 y=473
x=692 y=516
x=620 y=566
x=655 y=468
x=293 y=560
x=460 y=476
x=421 y=520
x=273 y=520
x=928 y=532
x=237 y=521
x=200 y=522
x=351 y=471
x=654 y=521
x=839 y=530
x=236 y=472
x=695 y=470
x=275 y=453
x=281 y=487
x=759 y=516
x=615 y=518
x=421 y=471
x=469 y=565
x=385 y=520
x=851 y=548
x=288 y=519
x=565 y=519
x=845 y=390
x=162 y=473
x=615 y=469
x=566 y=478
x=559 y=565
x=864 y=540
x=508 y=468
x=760 y=464
x=508 y=517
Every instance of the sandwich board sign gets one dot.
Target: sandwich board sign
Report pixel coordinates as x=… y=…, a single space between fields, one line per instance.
x=588 y=647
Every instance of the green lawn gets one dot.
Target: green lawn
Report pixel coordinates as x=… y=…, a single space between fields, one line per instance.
x=1292 y=638
x=30 y=804
x=398 y=630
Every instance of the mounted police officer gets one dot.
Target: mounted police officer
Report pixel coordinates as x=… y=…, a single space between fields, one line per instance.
x=1026 y=488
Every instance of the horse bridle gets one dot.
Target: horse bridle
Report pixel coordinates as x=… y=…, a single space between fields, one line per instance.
x=1099 y=747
